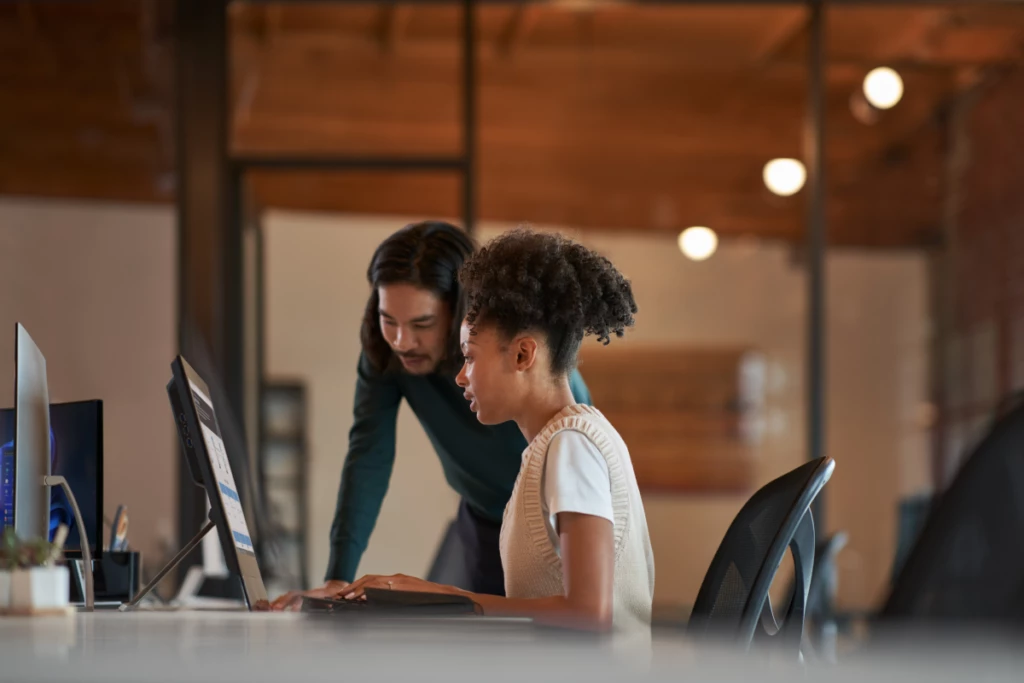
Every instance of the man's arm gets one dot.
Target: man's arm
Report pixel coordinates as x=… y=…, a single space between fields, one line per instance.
x=367 y=470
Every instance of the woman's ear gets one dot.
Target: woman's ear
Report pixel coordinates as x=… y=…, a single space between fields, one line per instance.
x=526 y=352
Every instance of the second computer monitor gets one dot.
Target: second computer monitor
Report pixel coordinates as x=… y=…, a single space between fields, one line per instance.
x=76 y=453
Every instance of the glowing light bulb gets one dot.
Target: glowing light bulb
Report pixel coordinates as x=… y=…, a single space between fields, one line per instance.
x=698 y=243
x=883 y=87
x=784 y=177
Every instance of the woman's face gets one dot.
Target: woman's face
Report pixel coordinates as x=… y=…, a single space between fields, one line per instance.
x=415 y=324
x=489 y=376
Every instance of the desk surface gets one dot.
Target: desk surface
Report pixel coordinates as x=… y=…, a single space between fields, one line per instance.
x=287 y=648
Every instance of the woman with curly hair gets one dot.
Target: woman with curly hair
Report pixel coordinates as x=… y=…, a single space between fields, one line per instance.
x=574 y=542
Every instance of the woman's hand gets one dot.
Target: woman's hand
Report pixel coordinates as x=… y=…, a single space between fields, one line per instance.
x=293 y=599
x=397 y=582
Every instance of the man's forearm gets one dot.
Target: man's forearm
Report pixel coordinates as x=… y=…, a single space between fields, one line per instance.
x=344 y=561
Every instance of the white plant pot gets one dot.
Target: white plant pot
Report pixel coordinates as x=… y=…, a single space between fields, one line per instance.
x=39 y=589
x=5 y=589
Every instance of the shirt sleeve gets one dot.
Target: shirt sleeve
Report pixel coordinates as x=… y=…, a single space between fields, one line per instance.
x=576 y=477
x=367 y=469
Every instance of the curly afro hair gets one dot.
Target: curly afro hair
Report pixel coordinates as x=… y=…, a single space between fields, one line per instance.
x=525 y=280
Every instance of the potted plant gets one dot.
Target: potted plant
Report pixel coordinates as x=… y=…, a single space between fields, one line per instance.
x=37 y=584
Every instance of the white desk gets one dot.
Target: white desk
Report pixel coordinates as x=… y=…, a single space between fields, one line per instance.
x=288 y=648
x=280 y=647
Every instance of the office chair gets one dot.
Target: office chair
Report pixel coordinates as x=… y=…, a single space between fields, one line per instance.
x=733 y=599
x=821 y=617
x=968 y=561
x=910 y=518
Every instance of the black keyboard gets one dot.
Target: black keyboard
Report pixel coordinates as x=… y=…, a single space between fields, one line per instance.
x=394 y=603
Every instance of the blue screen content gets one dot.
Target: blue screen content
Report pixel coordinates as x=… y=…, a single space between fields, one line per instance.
x=74 y=454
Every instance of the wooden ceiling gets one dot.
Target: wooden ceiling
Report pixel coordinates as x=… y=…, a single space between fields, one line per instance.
x=592 y=115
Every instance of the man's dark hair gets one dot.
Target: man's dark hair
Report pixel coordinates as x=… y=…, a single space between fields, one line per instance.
x=526 y=280
x=427 y=255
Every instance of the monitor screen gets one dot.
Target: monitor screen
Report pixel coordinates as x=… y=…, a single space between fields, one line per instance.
x=76 y=453
x=221 y=468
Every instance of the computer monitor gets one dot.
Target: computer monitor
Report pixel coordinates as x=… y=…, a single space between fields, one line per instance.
x=76 y=453
x=201 y=439
x=30 y=507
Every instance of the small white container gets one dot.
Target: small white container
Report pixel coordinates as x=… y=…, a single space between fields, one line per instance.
x=39 y=589
x=5 y=589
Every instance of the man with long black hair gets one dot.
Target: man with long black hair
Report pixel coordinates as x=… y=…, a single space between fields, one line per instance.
x=410 y=340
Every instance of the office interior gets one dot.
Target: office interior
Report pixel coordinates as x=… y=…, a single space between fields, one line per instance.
x=214 y=175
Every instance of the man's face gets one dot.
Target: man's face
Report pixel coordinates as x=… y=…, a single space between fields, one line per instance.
x=415 y=323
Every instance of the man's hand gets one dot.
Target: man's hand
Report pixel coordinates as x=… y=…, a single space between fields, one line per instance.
x=291 y=600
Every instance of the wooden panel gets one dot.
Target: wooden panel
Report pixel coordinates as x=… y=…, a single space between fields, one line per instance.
x=682 y=412
x=623 y=116
x=422 y=195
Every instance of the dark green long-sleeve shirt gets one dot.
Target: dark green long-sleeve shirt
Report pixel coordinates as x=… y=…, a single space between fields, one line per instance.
x=480 y=462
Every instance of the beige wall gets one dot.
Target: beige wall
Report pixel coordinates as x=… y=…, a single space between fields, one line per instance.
x=95 y=286
x=746 y=294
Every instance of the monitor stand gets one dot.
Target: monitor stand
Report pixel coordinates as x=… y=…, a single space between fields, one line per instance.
x=175 y=561
x=56 y=480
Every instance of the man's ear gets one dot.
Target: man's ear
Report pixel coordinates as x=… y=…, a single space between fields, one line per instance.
x=525 y=349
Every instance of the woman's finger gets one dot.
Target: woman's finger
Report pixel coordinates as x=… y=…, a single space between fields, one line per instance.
x=358 y=588
x=355 y=589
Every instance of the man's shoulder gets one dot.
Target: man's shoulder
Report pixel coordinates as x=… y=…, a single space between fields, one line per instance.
x=579 y=388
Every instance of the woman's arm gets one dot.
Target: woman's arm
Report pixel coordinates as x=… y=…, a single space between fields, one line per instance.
x=588 y=572
x=588 y=569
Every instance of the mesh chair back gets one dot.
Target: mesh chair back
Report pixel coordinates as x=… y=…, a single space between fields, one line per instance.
x=968 y=561
x=735 y=589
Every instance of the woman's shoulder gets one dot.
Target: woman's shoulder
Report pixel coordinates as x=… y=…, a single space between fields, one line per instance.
x=582 y=419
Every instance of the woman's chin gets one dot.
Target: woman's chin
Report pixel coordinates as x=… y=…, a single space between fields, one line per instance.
x=489 y=419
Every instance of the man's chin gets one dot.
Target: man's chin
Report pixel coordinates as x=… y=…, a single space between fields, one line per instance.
x=423 y=366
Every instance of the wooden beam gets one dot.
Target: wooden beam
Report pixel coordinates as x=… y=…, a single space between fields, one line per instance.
x=780 y=37
x=517 y=29
x=866 y=218
x=28 y=18
x=273 y=18
x=913 y=40
x=395 y=18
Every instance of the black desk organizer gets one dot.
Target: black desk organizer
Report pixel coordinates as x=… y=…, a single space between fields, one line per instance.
x=116 y=576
